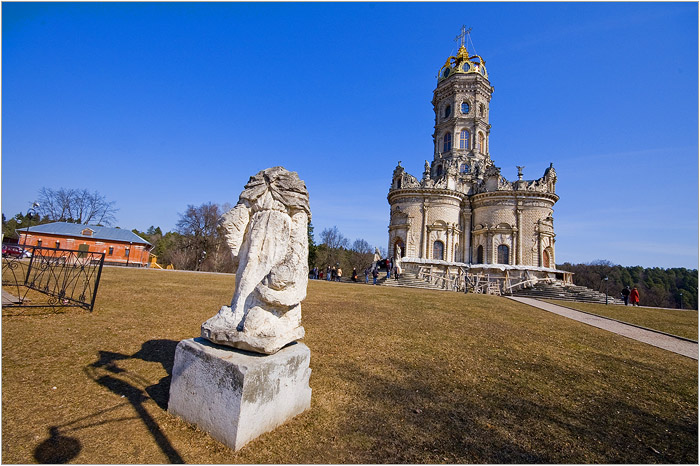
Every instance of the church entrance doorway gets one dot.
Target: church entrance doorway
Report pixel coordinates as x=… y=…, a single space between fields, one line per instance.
x=545 y=259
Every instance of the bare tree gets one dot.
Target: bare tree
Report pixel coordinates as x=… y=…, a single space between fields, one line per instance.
x=360 y=255
x=76 y=205
x=201 y=246
x=334 y=239
x=362 y=247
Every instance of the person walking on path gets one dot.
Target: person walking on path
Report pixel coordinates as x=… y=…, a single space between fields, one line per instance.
x=626 y=294
x=375 y=274
x=367 y=276
x=338 y=274
x=388 y=269
x=354 y=274
x=328 y=273
x=634 y=297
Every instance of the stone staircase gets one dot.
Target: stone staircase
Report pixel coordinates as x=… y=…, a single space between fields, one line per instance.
x=541 y=290
x=565 y=293
x=407 y=280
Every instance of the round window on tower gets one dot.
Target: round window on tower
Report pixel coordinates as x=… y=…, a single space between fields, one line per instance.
x=446 y=72
x=466 y=67
x=465 y=107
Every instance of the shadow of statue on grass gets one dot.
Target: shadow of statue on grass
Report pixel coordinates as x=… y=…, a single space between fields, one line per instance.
x=137 y=389
x=59 y=448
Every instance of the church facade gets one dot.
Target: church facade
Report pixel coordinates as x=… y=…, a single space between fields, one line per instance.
x=462 y=211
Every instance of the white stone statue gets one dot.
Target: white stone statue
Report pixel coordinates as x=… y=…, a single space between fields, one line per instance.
x=267 y=234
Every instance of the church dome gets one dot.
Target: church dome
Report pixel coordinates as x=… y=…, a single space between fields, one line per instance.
x=463 y=63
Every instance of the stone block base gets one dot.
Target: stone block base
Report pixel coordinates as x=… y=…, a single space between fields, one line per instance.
x=236 y=395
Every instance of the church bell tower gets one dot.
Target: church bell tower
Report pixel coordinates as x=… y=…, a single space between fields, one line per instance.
x=461 y=105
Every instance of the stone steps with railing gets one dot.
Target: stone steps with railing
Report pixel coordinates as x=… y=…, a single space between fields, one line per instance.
x=565 y=293
x=407 y=280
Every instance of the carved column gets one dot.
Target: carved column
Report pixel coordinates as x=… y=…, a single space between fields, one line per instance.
x=540 y=246
x=488 y=253
x=463 y=236
x=454 y=238
x=519 y=243
x=423 y=234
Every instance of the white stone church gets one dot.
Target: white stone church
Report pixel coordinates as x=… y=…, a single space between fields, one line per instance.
x=462 y=217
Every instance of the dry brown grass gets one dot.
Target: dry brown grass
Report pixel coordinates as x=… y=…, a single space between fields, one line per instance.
x=398 y=376
x=683 y=323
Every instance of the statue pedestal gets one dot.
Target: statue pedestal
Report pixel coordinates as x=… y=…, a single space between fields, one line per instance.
x=237 y=395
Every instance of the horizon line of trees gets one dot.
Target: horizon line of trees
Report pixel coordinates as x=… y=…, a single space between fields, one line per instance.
x=675 y=287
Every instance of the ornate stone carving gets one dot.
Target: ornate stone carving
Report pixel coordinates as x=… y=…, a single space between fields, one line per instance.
x=267 y=234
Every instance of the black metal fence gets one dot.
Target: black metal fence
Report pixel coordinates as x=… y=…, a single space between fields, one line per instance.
x=63 y=277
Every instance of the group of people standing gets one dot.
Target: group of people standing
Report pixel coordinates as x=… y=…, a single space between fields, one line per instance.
x=631 y=296
x=333 y=274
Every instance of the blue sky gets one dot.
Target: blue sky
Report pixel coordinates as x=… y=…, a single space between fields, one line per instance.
x=161 y=105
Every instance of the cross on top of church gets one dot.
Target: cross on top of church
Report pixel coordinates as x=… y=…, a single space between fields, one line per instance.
x=465 y=32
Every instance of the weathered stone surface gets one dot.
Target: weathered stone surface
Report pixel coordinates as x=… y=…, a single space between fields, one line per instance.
x=235 y=395
x=267 y=234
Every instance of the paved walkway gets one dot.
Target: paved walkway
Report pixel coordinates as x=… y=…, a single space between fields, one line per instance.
x=661 y=340
x=8 y=299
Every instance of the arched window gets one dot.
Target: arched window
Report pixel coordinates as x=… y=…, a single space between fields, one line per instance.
x=464 y=139
x=447 y=142
x=480 y=255
x=438 y=171
x=448 y=110
x=481 y=146
x=398 y=183
x=438 y=250
x=502 y=254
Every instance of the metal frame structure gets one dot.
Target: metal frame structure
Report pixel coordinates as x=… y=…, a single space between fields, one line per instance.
x=70 y=278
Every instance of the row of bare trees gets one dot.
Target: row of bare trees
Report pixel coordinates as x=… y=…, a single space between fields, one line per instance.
x=75 y=205
x=335 y=250
x=195 y=243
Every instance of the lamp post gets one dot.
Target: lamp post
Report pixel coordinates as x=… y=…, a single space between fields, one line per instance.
x=31 y=212
x=606 y=290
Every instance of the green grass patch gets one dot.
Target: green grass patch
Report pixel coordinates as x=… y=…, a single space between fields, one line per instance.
x=398 y=376
x=683 y=323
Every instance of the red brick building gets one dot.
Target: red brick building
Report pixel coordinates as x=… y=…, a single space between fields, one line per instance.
x=121 y=247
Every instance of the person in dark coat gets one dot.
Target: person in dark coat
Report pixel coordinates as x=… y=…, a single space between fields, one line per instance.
x=626 y=294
